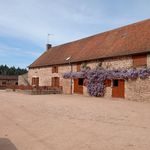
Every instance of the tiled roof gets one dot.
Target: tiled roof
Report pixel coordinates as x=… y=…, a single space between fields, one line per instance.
x=130 y=39
x=8 y=77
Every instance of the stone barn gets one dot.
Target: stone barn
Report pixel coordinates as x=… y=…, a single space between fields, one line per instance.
x=8 y=80
x=123 y=48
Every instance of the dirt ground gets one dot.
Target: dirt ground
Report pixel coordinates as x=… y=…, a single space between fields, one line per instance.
x=65 y=122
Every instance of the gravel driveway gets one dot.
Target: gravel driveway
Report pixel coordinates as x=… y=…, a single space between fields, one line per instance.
x=65 y=122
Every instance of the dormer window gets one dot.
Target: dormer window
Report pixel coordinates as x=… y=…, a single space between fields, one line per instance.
x=55 y=69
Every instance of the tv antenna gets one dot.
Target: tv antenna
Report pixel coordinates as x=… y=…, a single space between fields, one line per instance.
x=48 y=37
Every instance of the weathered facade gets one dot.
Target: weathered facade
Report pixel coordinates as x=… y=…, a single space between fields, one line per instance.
x=134 y=90
x=6 y=80
x=23 y=79
x=122 y=48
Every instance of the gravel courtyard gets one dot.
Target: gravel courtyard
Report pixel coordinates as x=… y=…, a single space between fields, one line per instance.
x=64 y=122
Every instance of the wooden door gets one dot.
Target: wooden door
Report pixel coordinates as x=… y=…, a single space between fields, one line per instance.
x=78 y=86
x=118 y=88
x=35 y=81
x=55 y=82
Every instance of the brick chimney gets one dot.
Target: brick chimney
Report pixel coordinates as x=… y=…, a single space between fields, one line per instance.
x=48 y=46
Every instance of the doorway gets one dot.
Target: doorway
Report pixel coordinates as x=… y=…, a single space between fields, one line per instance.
x=55 y=82
x=118 y=88
x=78 y=86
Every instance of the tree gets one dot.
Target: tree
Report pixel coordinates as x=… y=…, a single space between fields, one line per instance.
x=5 y=70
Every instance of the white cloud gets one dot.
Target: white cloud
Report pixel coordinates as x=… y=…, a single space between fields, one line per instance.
x=34 y=19
x=6 y=50
x=31 y=20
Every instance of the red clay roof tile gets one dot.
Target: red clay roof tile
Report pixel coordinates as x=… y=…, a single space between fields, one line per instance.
x=130 y=39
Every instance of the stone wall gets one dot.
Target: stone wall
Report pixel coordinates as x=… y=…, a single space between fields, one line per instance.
x=45 y=75
x=66 y=83
x=85 y=92
x=148 y=60
x=113 y=63
x=118 y=63
x=23 y=79
x=138 y=90
x=134 y=90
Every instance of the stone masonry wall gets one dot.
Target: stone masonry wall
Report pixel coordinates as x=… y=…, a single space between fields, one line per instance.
x=45 y=75
x=134 y=90
x=138 y=90
x=114 y=63
x=148 y=60
x=23 y=79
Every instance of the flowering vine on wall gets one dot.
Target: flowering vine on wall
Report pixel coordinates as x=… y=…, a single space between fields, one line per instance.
x=94 y=78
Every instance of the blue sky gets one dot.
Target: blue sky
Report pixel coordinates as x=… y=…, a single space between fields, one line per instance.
x=24 y=24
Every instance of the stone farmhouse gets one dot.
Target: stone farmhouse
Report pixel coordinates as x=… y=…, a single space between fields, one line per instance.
x=125 y=47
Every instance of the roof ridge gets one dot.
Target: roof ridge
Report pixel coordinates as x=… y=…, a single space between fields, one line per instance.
x=121 y=27
x=102 y=45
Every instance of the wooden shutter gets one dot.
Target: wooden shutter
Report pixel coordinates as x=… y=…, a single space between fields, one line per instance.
x=55 y=69
x=78 y=67
x=139 y=60
x=35 y=81
x=57 y=82
x=52 y=82
x=107 y=83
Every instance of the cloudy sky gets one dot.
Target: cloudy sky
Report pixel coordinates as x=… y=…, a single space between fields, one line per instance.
x=25 y=24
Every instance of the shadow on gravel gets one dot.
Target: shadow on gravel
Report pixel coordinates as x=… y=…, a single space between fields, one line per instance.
x=6 y=144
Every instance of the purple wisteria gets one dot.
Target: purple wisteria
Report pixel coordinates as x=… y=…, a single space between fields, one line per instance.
x=94 y=79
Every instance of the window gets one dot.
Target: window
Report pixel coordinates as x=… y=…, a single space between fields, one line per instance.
x=80 y=81
x=78 y=67
x=107 y=83
x=55 y=69
x=139 y=60
x=35 y=81
x=4 y=83
x=115 y=83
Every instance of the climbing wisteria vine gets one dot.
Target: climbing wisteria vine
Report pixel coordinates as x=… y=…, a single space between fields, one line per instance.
x=94 y=78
